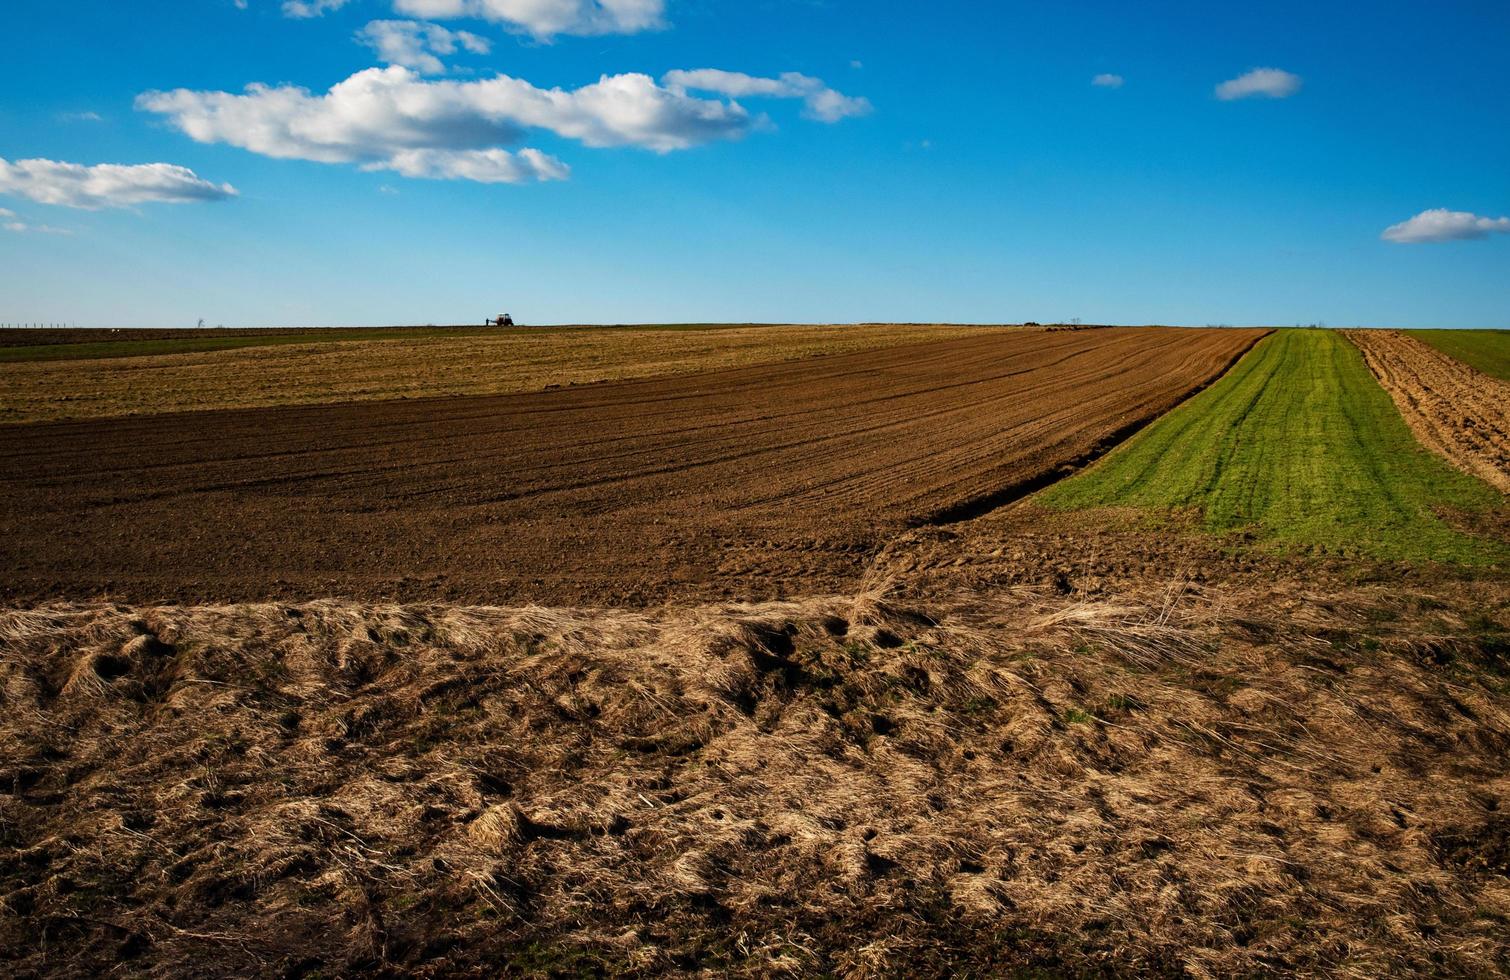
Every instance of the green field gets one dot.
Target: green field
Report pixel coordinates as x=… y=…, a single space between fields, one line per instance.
x=1484 y=350
x=1301 y=446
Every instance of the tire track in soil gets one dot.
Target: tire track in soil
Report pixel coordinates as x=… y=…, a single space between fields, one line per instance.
x=1455 y=411
x=751 y=482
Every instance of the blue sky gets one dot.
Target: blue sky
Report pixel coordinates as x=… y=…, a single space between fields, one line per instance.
x=843 y=161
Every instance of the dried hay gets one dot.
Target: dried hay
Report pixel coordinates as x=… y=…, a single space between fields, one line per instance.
x=1183 y=781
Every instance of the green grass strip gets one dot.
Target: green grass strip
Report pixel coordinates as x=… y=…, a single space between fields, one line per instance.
x=1299 y=444
x=1487 y=351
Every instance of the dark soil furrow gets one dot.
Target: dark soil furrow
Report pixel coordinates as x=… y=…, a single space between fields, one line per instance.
x=609 y=493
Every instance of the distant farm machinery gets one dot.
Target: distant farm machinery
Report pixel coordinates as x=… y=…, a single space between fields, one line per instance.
x=501 y=320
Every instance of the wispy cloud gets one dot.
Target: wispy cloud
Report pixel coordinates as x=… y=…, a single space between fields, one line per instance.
x=1108 y=80
x=303 y=9
x=391 y=118
x=1269 y=83
x=483 y=166
x=544 y=19
x=418 y=45
x=823 y=103
x=11 y=221
x=92 y=117
x=1442 y=225
x=106 y=185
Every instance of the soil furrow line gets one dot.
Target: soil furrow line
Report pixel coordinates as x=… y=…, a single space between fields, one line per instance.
x=1455 y=411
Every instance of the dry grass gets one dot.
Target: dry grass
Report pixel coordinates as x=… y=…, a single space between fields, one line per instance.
x=1172 y=782
x=370 y=370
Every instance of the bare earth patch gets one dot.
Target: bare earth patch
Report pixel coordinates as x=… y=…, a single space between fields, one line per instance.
x=1454 y=410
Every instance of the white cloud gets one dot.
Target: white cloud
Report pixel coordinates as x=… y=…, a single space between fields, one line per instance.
x=392 y=118
x=1442 y=225
x=546 y=18
x=378 y=116
x=823 y=103
x=106 y=185
x=1108 y=80
x=482 y=166
x=1271 y=83
x=380 y=111
x=80 y=117
x=416 y=45
x=304 y=9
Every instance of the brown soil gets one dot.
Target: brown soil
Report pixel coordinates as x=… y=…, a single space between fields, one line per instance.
x=1454 y=410
x=757 y=482
x=330 y=366
x=53 y=336
x=1284 y=772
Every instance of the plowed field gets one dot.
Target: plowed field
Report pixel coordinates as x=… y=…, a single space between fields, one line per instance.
x=752 y=482
x=1453 y=409
x=154 y=376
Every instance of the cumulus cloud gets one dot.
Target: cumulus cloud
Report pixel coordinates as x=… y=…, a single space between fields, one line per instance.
x=1271 y=83
x=379 y=112
x=1108 y=80
x=417 y=45
x=378 y=116
x=823 y=103
x=392 y=118
x=106 y=185
x=304 y=9
x=1442 y=225
x=546 y=18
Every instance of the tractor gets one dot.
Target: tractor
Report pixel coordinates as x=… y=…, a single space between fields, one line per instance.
x=501 y=320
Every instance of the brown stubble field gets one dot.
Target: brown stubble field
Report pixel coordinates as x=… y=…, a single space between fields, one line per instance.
x=1270 y=773
x=763 y=671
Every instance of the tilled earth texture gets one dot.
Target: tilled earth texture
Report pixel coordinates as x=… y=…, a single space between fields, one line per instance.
x=155 y=375
x=1454 y=410
x=757 y=482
